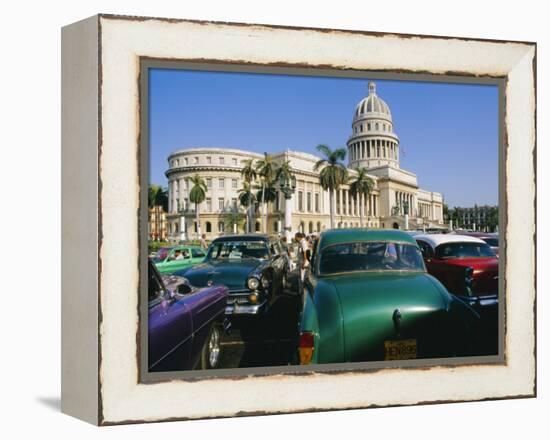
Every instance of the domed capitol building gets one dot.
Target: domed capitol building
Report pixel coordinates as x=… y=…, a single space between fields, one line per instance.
x=373 y=145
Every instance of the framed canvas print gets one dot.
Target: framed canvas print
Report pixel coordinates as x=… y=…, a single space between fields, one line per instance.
x=262 y=219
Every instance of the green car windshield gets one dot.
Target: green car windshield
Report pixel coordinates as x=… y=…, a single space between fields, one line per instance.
x=370 y=256
x=236 y=250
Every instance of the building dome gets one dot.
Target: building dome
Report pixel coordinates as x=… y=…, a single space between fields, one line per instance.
x=373 y=143
x=372 y=106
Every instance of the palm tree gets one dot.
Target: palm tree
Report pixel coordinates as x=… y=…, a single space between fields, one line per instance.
x=266 y=195
x=158 y=202
x=333 y=172
x=360 y=188
x=158 y=196
x=247 y=200
x=197 y=196
x=284 y=170
x=248 y=173
x=246 y=197
x=266 y=170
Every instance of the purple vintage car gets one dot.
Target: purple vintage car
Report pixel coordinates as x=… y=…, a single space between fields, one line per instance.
x=185 y=323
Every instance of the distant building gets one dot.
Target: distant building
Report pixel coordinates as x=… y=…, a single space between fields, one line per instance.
x=158 y=225
x=373 y=144
x=478 y=218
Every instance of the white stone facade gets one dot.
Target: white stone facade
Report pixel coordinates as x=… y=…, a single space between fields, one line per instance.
x=372 y=145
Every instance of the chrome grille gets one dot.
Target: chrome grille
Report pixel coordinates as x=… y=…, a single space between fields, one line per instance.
x=238 y=299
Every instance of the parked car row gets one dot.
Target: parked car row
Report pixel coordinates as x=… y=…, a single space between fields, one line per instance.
x=367 y=295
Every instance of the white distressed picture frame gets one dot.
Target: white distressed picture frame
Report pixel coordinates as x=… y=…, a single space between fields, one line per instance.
x=101 y=193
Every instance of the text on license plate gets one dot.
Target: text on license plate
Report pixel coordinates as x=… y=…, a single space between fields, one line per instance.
x=400 y=349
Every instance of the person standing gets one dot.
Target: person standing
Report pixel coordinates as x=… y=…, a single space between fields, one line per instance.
x=204 y=245
x=303 y=257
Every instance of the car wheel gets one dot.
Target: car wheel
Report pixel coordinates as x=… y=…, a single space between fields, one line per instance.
x=210 y=355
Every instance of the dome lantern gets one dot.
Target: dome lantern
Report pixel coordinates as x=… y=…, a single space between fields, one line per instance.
x=372 y=88
x=373 y=142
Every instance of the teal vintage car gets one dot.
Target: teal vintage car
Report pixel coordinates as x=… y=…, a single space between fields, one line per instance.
x=368 y=297
x=170 y=259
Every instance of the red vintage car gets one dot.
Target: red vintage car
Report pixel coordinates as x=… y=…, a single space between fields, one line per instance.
x=468 y=268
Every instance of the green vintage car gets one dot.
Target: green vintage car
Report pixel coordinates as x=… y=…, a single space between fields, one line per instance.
x=171 y=259
x=368 y=297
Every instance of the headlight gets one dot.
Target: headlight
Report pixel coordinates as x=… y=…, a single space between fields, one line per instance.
x=265 y=282
x=253 y=283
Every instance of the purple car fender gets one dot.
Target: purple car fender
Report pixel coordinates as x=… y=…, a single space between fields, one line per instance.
x=179 y=325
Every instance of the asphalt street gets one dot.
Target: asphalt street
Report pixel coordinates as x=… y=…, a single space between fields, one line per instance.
x=268 y=340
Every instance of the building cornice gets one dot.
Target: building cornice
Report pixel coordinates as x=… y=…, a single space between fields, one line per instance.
x=201 y=168
x=214 y=150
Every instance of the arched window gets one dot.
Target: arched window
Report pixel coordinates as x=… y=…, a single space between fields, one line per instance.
x=257 y=226
x=310 y=227
x=276 y=226
x=318 y=226
x=208 y=227
x=395 y=226
x=339 y=225
x=176 y=228
x=221 y=226
x=195 y=224
x=368 y=126
x=302 y=228
x=345 y=224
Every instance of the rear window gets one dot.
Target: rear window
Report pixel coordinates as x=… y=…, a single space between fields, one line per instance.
x=463 y=250
x=493 y=242
x=370 y=256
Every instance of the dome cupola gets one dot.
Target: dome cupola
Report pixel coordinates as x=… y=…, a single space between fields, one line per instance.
x=373 y=142
x=372 y=106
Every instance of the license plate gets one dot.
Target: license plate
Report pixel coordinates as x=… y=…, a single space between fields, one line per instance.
x=399 y=350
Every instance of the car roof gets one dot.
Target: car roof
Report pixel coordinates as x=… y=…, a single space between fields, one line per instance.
x=476 y=234
x=242 y=237
x=435 y=240
x=336 y=236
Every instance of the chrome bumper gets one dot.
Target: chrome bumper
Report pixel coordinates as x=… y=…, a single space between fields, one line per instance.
x=244 y=309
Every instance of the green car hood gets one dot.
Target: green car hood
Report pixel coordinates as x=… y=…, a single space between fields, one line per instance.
x=231 y=273
x=369 y=301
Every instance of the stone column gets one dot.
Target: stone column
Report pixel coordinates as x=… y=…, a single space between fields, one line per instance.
x=181 y=185
x=170 y=190
x=400 y=202
x=174 y=195
x=371 y=204
x=346 y=208
x=183 y=228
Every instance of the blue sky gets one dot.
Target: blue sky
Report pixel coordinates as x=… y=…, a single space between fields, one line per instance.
x=448 y=132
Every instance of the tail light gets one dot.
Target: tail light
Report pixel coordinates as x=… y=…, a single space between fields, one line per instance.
x=305 y=347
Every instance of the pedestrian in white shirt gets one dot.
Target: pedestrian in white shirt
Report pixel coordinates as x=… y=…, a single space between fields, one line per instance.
x=303 y=258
